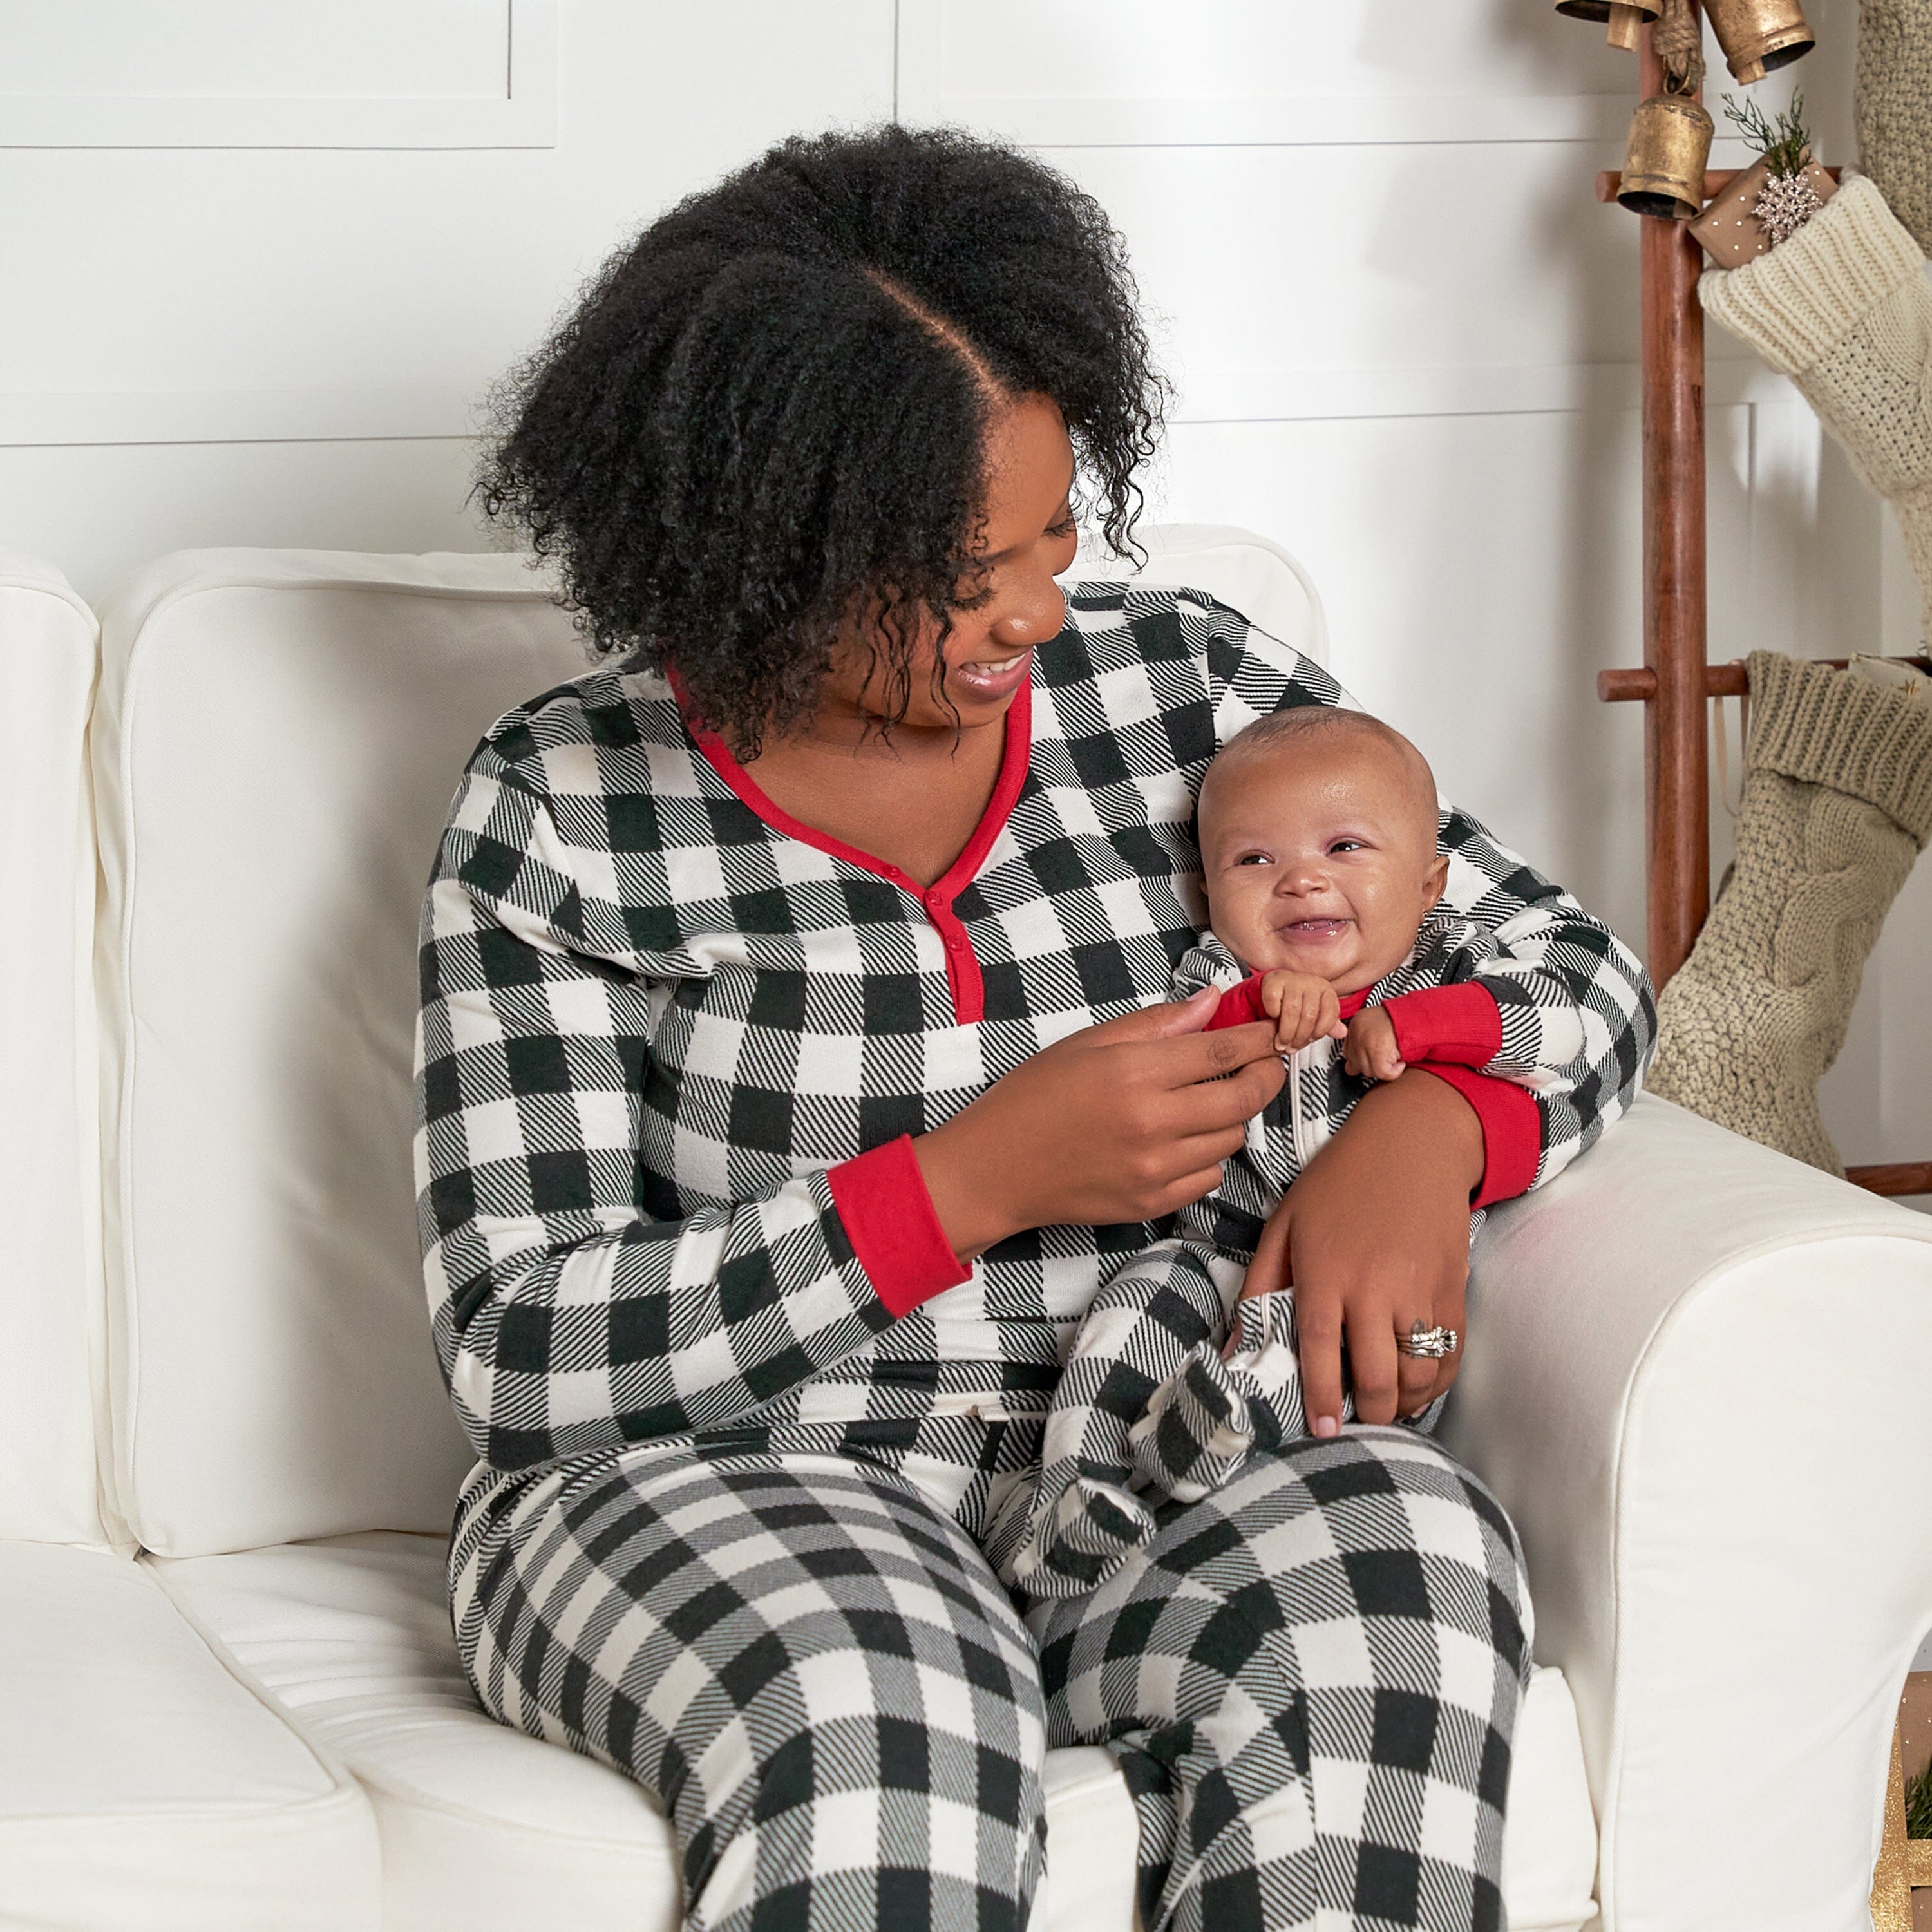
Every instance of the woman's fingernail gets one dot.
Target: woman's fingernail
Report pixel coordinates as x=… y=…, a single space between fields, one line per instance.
x=1327 y=1425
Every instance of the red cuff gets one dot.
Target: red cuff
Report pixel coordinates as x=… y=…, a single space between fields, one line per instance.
x=1240 y=1006
x=1460 y=1024
x=1512 y=1131
x=893 y=1226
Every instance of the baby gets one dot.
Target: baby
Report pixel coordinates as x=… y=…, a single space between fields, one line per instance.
x=1318 y=834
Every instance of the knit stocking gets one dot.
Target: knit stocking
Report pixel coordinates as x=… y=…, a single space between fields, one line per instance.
x=1837 y=805
x=1892 y=99
x=1843 y=309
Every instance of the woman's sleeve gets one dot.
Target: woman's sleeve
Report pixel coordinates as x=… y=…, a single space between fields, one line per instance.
x=567 y=1315
x=1579 y=1024
x=1556 y=973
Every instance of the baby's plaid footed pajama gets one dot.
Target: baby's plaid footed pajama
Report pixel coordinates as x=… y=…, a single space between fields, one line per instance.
x=1147 y=1407
x=742 y=1418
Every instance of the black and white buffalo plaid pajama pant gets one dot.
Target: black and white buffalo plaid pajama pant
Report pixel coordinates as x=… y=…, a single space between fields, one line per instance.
x=743 y=1420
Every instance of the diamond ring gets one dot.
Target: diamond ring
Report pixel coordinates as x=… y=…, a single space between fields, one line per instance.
x=1427 y=1344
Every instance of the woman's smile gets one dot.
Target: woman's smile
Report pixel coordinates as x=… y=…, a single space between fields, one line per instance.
x=992 y=680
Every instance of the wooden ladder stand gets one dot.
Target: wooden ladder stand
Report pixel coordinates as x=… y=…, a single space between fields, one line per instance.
x=1677 y=682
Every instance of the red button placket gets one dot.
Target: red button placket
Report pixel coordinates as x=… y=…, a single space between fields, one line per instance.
x=963 y=978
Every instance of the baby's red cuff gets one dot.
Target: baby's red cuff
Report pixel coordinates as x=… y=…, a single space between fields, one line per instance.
x=894 y=1228
x=1460 y=1024
x=1512 y=1130
x=1240 y=1006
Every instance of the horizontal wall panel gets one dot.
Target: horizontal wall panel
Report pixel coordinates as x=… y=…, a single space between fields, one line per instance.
x=242 y=48
x=215 y=73
x=103 y=511
x=399 y=410
x=1343 y=258
x=1141 y=49
x=200 y=272
x=1293 y=121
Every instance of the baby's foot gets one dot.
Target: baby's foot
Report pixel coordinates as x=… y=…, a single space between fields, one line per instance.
x=1197 y=1430
x=1202 y=1424
x=1088 y=1531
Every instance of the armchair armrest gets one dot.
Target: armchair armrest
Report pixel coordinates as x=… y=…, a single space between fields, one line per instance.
x=1699 y=1378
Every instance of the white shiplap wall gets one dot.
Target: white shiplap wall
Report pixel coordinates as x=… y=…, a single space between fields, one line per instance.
x=1404 y=335
x=263 y=262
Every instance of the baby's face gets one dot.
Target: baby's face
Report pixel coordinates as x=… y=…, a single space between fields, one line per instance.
x=1320 y=857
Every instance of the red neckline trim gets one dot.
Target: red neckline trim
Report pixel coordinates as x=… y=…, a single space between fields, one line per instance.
x=963 y=977
x=1014 y=757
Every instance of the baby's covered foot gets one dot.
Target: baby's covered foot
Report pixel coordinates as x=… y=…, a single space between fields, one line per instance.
x=1081 y=1538
x=1201 y=1424
x=1197 y=1431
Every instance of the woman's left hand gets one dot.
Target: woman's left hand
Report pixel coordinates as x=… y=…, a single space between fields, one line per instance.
x=1374 y=1237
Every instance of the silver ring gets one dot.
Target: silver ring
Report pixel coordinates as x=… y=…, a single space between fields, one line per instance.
x=1430 y=1345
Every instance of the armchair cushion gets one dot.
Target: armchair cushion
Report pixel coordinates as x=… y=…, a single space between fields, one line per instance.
x=53 y=1367
x=486 y=1830
x=145 y=1785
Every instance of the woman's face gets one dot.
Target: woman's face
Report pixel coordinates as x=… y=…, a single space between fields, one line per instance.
x=1010 y=605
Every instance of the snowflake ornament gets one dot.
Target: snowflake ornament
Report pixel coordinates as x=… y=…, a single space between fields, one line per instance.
x=1783 y=205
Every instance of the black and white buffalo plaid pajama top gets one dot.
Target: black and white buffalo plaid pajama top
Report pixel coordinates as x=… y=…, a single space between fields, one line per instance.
x=742 y=1416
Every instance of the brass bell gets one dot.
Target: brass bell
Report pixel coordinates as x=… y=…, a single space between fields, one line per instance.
x=1663 y=171
x=1622 y=17
x=1760 y=36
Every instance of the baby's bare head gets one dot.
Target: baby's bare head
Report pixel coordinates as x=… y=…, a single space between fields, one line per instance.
x=1318 y=832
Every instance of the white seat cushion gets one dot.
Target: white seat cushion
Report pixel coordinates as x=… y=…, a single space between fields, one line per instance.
x=484 y=1830
x=50 y=1307
x=145 y=1786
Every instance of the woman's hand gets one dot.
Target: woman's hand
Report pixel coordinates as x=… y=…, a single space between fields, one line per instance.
x=1125 y=1121
x=1375 y=1237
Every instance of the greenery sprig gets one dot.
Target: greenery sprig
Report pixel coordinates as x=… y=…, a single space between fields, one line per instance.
x=1918 y=1805
x=1781 y=139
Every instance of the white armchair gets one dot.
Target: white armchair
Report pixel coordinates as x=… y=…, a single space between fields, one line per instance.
x=228 y=1692
x=1699 y=1381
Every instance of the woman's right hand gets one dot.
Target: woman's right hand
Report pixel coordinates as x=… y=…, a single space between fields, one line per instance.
x=1125 y=1121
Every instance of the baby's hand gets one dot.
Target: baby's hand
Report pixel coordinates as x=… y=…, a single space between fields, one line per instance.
x=1303 y=1008
x=1371 y=1053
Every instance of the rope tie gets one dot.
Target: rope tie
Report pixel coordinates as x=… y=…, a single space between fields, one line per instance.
x=1678 y=41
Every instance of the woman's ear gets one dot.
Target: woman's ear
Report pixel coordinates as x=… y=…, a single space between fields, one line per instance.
x=1435 y=881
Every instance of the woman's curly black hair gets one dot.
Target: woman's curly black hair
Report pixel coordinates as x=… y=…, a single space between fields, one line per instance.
x=766 y=418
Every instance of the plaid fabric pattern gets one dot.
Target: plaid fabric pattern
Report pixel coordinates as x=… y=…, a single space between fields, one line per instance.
x=651 y=1021
x=1146 y=1401
x=1310 y=1679
x=811 y=1669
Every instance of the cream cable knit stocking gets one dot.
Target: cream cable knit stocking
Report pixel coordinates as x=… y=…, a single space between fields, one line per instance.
x=1844 y=310
x=1892 y=99
x=1837 y=805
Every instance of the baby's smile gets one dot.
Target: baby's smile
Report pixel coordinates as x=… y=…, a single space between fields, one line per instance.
x=1318 y=844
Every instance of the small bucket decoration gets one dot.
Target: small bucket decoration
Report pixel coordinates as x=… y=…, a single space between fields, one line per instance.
x=1760 y=36
x=1622 y=20
x=1670 y=145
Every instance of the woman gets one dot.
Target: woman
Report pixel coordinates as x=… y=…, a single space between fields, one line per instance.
x=794 y=1072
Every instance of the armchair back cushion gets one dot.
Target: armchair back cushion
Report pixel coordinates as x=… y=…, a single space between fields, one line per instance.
x=52 y=1362
x=276 y=740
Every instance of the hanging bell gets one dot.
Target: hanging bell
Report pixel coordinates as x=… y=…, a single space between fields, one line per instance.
x=1663 y=171
x=1622 y=20
x=1760 y=36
